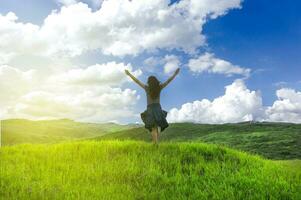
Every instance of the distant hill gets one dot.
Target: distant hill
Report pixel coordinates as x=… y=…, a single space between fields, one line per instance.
x=17 y=131
x=272 y=140
x=139 y=170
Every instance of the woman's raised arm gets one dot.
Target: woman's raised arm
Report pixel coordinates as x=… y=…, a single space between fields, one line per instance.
x=134 y=79
x=163 y=85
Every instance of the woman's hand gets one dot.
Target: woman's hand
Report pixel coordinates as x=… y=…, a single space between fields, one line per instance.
x=163 y=85
x=127 y=72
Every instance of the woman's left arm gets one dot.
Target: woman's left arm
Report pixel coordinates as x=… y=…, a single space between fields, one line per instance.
x=163 y=85
x=134 y=79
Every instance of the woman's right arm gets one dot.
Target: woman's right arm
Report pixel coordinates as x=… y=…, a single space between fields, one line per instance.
x=134 y=79
x=163 y=85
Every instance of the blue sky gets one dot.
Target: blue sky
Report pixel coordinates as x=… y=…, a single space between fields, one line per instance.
x=263 y=36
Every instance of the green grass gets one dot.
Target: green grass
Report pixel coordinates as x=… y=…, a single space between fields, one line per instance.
x=18 y=131
x=139 y=170
x=280 y=141
x=290 y=165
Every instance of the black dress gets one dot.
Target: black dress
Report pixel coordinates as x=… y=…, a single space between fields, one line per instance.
x=154 y=116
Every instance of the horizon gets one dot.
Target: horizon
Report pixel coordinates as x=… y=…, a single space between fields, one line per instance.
x=67 y=60
x=142 y=124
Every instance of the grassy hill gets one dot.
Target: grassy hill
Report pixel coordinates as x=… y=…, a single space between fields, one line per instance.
x=272 y=140
x=16 y=131
x=139 y=170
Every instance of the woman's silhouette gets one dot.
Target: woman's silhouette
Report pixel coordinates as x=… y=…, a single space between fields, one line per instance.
x=154 y=117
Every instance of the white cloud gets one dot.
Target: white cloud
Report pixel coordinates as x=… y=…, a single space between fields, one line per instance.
x=169 y=63
x=110 y=73
x=240 y=104
x=212 y=8
x=237 y=104
x=119 y=27
x=94 y=3
x=209 y=63
x=152 y=63
x=172 y=63
x=14 y=83
x=287 y=108
x=18 y=38
x=66 y=2
x=86 y=105
x=90 y=94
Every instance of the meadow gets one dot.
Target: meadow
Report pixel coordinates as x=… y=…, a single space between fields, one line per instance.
x=20 y=131
x=281 y=141
x=140 y=170
x=63 y=159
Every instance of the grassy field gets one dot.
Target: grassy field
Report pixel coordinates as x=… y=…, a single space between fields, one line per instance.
x=290 y=165
x=139 y=170
x=279 y=141
x=20 y=131
x=271 y=140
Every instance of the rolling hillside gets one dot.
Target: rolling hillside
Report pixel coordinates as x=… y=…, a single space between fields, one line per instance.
x=271 y=140
x=139 y=170
x=17 y=131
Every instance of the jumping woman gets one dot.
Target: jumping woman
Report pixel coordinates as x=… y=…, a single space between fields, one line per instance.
x=154 y=117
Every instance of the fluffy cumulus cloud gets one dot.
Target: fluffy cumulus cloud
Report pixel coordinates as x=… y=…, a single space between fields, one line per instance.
x=240 y=104
x=66 y=2
x=152 y=63
x=210 y=64
x=172 y=63
x=236 y=105
x=119 y=27
x=90 y=94
x=87 y=104
x=110 y=73
x=287 y=108
x=14 y=83
x=17 y=38
x=169 y=63
x=94 y=3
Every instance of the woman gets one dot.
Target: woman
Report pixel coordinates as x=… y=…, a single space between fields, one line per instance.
x=154 y=117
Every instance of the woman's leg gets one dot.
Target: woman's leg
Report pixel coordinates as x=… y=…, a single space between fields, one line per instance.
x=154 y=134
x=158 y=133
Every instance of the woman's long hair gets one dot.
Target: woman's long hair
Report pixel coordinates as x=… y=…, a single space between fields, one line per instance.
x=154 y=87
